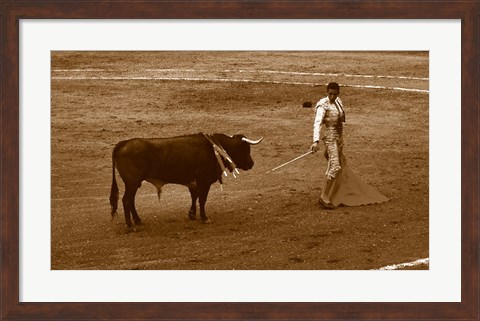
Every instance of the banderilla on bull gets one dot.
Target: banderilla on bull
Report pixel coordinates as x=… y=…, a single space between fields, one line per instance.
x=291 y=161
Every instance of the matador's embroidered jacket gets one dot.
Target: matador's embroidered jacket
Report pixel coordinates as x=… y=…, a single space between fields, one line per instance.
x=328 y=114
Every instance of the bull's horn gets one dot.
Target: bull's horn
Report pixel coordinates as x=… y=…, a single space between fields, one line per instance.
x=252 y=142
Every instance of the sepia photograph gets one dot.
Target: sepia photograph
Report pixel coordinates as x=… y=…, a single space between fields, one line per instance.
x=239 y=160
x=259 y=160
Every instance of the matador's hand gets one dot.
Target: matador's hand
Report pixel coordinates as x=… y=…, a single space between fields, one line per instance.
x=314 y=148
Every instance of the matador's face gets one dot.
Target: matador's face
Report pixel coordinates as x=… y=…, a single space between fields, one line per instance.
x=332 y=94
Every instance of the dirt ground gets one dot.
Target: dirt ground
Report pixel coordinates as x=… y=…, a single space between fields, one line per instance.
x=260 y=220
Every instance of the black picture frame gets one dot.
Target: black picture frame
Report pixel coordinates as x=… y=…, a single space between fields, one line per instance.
x=11 y=13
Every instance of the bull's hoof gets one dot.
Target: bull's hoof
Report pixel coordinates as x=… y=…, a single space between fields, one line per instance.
x=192 y=216
x=138 y=222
x=206 y=220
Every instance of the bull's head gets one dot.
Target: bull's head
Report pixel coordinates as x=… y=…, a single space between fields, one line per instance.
x=238 y=147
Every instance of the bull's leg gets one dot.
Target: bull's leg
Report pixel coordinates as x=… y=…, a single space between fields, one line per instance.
x=136 y=218
x=202 y=197
x=193 y=208
x=128 y=204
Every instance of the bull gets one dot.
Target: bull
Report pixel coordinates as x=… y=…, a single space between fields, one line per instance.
x=195 y=161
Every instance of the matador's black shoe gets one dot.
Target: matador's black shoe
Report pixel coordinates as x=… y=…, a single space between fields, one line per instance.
x=328 y=206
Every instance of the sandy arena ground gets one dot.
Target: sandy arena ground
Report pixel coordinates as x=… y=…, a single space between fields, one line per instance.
x=260 y=220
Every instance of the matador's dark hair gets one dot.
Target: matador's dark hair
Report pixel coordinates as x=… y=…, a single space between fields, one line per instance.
x=333 y=85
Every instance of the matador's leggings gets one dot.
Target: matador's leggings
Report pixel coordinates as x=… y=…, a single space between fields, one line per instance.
x=334 y=147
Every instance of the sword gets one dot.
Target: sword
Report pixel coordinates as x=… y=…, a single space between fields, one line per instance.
x=293 y=160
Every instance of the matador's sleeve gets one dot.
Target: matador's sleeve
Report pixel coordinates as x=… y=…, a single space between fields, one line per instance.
x=317 y=124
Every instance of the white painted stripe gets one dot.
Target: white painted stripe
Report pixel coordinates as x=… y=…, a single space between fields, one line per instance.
x=231 y=80
x=391 y=88
x=255 y=71
x=185 y=79
x=403 y=265
x=333 y=75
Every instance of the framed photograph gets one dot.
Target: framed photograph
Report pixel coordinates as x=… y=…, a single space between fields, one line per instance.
x=240 y=160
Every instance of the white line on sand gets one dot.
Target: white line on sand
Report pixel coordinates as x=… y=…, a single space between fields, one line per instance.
x=229 y=80
x=403 y=265
x=255 y=71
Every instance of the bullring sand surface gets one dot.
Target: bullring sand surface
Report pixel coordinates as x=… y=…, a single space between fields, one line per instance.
x=260 y=221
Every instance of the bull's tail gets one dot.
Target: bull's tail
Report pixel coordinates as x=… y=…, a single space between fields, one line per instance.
x=114 y=189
